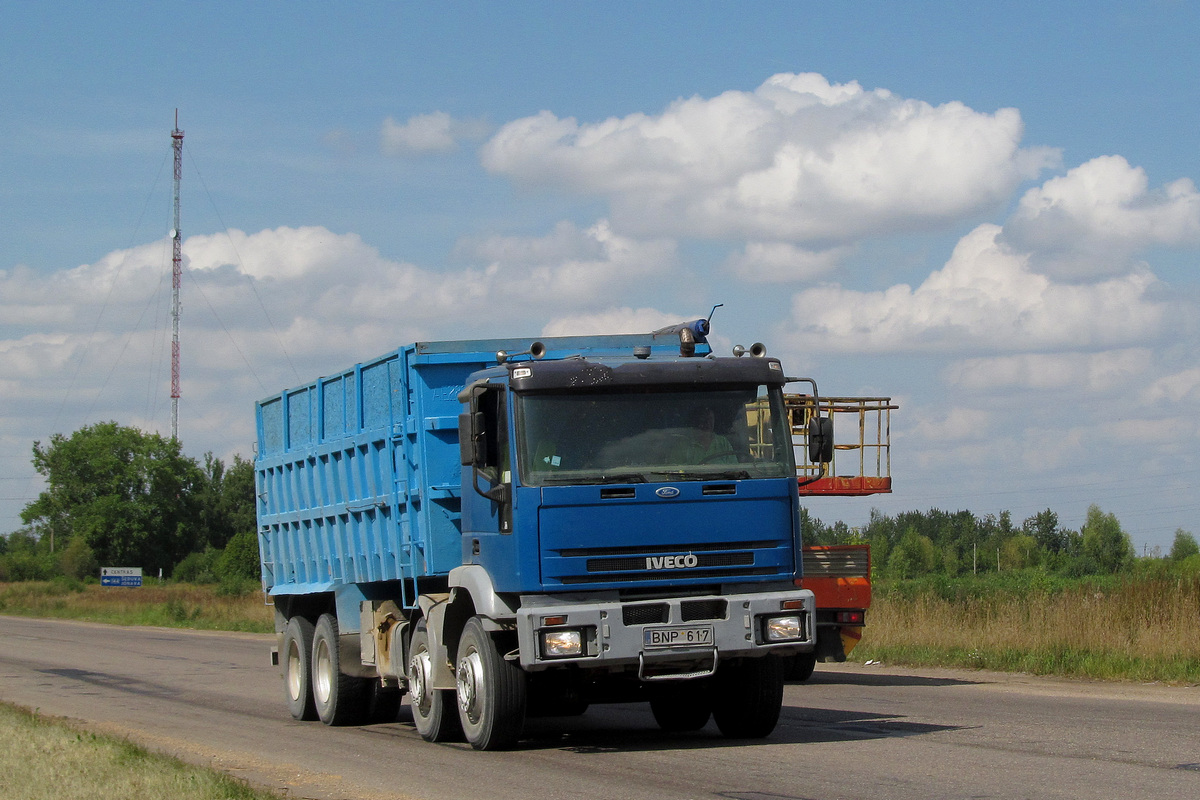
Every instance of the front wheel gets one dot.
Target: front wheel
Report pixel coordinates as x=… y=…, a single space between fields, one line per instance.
x=800 y=666
x=432 y=709
x=749 y=697
x=491 y=691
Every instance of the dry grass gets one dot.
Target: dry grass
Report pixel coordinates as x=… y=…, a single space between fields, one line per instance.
x=46 y=760
x=1145 y=630
x=169 y=605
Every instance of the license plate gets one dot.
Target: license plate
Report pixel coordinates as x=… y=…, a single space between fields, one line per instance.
x=678 y=636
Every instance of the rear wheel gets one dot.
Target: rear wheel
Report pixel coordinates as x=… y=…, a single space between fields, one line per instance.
x=432 y=709
x=491 y=691
x=749 y=697
x=340 y=699
x=682 y=705
x=296 y=660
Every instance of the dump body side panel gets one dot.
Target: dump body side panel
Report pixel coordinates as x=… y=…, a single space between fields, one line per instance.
x=358 y=475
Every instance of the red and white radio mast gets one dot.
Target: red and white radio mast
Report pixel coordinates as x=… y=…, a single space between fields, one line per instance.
x=176 y=279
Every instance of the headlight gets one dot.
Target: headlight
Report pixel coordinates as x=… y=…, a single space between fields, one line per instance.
x=562 y=643
x=783 y=629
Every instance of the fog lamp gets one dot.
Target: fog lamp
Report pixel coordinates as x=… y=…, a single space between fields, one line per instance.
x=562 y=643
x=783 y=629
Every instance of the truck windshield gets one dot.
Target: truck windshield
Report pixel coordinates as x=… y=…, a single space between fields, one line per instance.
x=642 y=435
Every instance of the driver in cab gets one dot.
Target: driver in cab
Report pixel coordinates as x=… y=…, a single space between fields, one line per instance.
x=700 y=444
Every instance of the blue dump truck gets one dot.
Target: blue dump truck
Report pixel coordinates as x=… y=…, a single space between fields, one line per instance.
x=506 y=528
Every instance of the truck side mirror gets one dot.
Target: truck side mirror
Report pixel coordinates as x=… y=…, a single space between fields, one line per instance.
x=471 y=447
x=820 y=440
x=498 y=493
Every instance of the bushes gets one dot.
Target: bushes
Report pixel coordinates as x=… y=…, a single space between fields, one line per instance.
x=240 y=557
x=24 y=565
x=78 y=561
x=198 y=567
x=25 y=558
x=235 y=567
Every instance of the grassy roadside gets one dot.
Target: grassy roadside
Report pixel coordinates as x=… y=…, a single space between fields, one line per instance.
x=1134 y=629
x=166 y=605
x=43 y=759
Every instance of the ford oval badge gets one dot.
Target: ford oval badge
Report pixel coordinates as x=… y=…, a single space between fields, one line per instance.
x=667 y=492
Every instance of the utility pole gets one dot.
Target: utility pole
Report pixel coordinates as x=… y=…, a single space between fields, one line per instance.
x=176 y=279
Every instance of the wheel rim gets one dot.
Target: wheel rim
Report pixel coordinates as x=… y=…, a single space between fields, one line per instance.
x=294 y=667
x=469 y=680
x=322 y=667
x=418 y=681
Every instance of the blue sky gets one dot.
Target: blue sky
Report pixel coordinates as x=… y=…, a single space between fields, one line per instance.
x=988 y=213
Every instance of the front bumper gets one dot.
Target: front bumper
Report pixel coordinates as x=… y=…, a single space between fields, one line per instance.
x=663 y=637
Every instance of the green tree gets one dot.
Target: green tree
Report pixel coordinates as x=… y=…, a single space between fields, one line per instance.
x=225 y=498
x=1018 y=551
x=26 y=558
x=1043 y=527
x=912 y=556
x=212 y=526
x=1184 y=546
x=240 y=558
x=130 y=495
x=1105 y=542
x=238 y=498
x=78 y=561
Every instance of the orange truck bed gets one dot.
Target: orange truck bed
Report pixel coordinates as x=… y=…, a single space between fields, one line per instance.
x=840 y=577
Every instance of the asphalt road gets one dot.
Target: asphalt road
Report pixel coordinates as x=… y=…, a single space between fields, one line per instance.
x=850 y=732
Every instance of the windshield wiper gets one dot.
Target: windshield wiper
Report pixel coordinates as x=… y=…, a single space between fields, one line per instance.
x=729 y=475
x=696 y=475
x=623 y=477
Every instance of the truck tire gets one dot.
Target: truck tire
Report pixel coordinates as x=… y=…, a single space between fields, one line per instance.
x=432 y=709
x=680 y=706
x=296 y=660
x=382 y=704
x=339 y=698
x=749 y=696
x=800 y=666
x=491 y=691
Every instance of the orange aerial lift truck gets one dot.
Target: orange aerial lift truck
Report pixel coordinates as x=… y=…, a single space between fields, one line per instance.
x=840 y=575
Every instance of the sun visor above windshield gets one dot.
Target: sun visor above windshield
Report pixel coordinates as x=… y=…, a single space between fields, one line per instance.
x=580 y=374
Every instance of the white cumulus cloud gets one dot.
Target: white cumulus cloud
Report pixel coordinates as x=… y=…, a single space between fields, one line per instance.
x=1090 y=371
x=1089 y=222
x=436 y=132
x=766 y=262
x=588 y=268
x=613 y=320
x=799 y=159
x=1178 y=387
x=985 y=299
